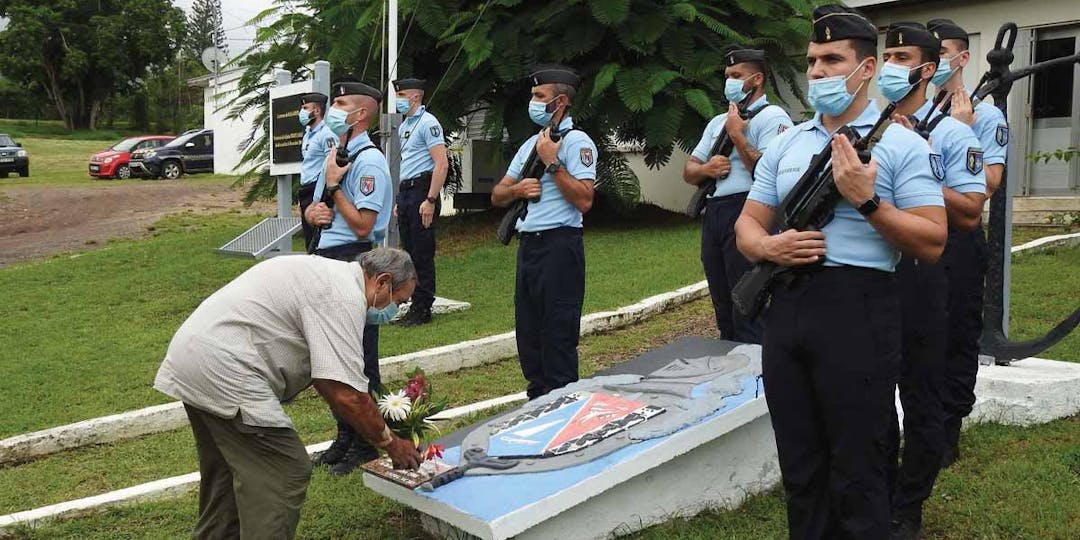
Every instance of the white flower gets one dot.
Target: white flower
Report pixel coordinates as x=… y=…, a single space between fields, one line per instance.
x=396 y=407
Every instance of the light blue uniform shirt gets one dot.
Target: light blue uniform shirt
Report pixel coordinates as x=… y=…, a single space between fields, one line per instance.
x=367 y=184
x=761 y=130
x=904 y=179
x=993 y=132
x=317 y=143
x=578 y=155
x=419 y=133
x=958 y=156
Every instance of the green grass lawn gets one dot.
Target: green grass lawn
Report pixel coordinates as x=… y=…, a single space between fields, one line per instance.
x=84 y=335
x=54 y=129
x=1011 y=482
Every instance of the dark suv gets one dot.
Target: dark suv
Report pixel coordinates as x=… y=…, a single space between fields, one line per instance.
x=192 y=152
x=12 y=157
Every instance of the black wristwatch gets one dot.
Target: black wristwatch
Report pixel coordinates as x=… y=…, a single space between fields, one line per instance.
x=870 y=206
x=333 y=189
x=431 y=200
x=554 y=167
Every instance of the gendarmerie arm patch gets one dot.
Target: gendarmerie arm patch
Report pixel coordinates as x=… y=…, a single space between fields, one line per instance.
x=367 y=185
x=586 y=156
x=974 y=160
x=434 y=131
x=1001 y=135
x=937 y=166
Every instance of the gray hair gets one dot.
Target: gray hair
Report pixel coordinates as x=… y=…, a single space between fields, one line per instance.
x=391 y=261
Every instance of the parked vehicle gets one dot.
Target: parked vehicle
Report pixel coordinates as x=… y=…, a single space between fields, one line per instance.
x=13 y=158
x=190 y=153
x=114 y=162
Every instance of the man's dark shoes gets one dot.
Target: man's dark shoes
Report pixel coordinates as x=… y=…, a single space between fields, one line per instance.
x=405 y=320
x=336 y=452
x=359 y=453
x=417 y=317
x=905 y=529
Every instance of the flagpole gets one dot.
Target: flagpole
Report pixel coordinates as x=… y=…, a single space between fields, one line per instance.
x=391 y=53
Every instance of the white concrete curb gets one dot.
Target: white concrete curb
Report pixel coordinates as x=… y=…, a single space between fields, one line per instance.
x=445 y=359
x=180 y=485
x=1047 y=242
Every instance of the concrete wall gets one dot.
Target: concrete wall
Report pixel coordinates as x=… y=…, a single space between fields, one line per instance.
x=229 y=135
x=663 y=187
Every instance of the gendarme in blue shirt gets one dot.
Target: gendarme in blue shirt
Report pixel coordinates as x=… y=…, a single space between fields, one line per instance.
x=317 y=143
x=904 y=178
x=961 y=156
x=993 y=132
x=367 y=185
x=761 y=130
x=578 y=154
x=419 y=133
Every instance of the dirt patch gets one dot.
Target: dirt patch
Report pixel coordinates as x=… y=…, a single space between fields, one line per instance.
x=37 y=222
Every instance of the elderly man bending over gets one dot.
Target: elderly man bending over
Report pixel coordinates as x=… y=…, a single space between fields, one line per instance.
x=283 y=325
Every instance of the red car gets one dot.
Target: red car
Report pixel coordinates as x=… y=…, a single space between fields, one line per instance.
x=113 y=163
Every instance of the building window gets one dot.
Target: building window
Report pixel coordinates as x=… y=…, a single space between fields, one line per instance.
x=1053 y=88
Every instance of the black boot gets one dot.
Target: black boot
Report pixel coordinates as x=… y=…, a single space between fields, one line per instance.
x=423 y=316
x=360 y=452
x=337 y=449
x=406 y=318
x=905 y=529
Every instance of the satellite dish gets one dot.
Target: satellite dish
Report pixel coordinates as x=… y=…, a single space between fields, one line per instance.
x=213 y=58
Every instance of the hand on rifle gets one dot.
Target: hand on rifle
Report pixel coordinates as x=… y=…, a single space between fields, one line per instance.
x=717 y=167
x=962 y=109
x=853 y=178
x=319 y=214
x=547 y=149
x=334 y=174
x=403 y=454
x=794 y=248
x=527 y=188
x=734 y=124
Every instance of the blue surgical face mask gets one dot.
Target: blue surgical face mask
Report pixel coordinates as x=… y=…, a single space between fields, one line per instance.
x=304 y=117
x=830 y=96
x=538 y=112
x=944 y=71
x=402 y=105
x=380 y=316
x=733 y=90
x=894 y=81
x=335 y=120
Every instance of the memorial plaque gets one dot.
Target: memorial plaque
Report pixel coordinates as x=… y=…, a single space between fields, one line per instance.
x=384 y=468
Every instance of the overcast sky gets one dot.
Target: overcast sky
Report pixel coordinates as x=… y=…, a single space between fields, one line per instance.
x=236 y=14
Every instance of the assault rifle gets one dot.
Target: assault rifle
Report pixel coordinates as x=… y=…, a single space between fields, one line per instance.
x=342 y=158
x=809 y=206
x=534 y=168
x=721 y=147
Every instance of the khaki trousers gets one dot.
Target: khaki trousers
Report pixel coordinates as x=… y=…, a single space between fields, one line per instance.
x=253 y=479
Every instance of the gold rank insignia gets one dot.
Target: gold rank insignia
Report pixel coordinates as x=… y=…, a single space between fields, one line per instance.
x=900 y=36
x=828 y=34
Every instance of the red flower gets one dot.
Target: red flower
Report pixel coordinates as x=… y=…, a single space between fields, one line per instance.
x=433 y=451
x=414 y=390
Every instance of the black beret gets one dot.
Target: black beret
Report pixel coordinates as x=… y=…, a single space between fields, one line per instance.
x=352 y=88
x=909 y=34
x=835 y=23
x=946 y=29
x=738 y=55
x=314 y=97
x=409 y=84
x=554 y=74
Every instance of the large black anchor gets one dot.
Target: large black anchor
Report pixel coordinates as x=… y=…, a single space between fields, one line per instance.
x=997 y=82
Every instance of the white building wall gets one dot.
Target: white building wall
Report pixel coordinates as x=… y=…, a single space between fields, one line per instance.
x=229 y=134
x=663 y=187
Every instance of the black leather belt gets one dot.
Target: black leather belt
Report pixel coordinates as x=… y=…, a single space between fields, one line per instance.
x=424 y=180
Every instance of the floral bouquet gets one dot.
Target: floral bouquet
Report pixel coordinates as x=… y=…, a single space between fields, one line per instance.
x=408 y=412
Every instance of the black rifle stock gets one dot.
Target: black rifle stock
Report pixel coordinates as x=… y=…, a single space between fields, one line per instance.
x=723 y=146
x=534 y=168
x=809 y=206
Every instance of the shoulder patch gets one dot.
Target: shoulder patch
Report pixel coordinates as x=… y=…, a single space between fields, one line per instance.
x=367 y=185
x=434 y=131
x=974 y=160
x=586 y=156
x=937 y=166
x=1001 y=135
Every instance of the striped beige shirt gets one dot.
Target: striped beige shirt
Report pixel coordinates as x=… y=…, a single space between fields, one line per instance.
x=261 y=339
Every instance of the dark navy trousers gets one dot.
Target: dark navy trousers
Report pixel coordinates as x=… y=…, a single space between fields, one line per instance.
x=417 y=240
x=923 y=293
x=965 y=261
x=830 y=363
x=724 y=265
x=548 y=294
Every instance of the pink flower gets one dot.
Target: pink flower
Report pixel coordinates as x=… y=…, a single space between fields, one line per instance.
x=433 y=451
x=414 y=390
